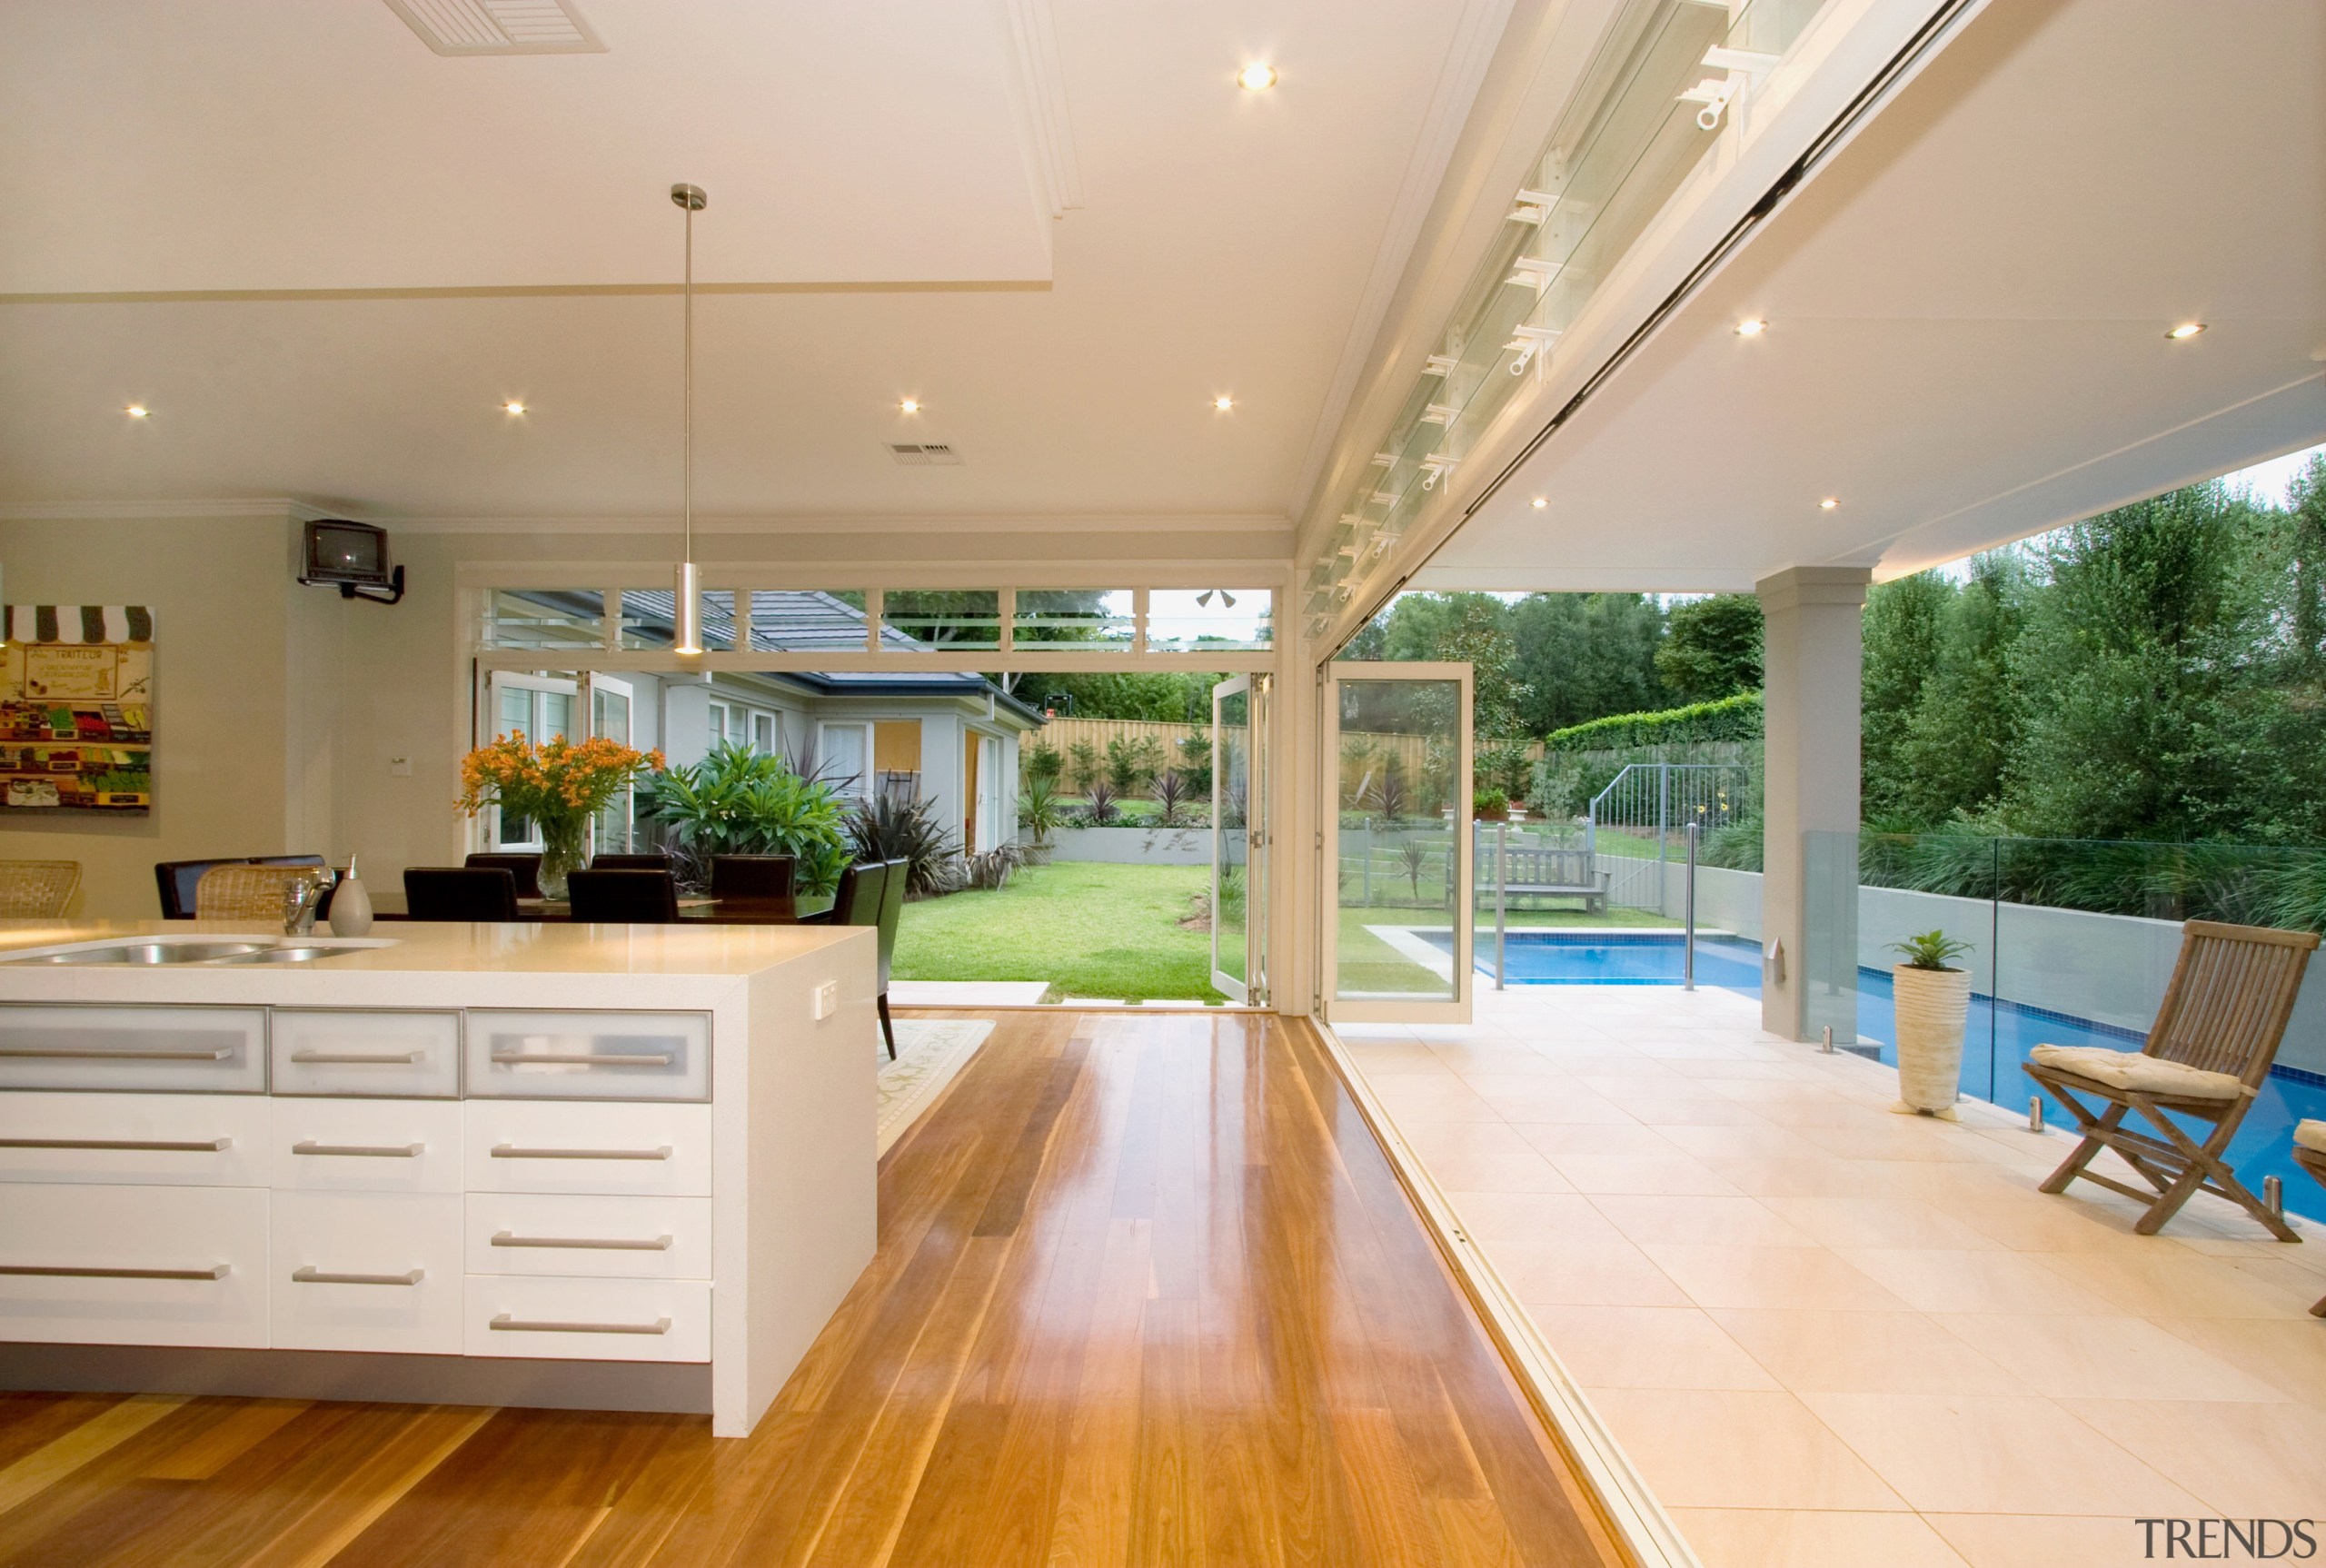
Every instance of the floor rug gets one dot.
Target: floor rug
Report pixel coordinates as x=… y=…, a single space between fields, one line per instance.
x=930 y=1053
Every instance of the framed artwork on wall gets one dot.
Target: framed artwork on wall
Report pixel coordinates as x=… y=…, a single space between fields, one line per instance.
x=77 y=709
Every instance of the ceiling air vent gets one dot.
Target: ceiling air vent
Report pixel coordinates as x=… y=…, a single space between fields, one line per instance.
x=499 y=26
x=924 y=454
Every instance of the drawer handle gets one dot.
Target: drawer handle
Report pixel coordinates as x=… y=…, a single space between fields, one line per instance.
x=512 y=1152
x=111 y=1054
x=66 y=1271
x=581 y=1059
x=311 y=1275
x=361 y=1151
x=601 y=1244
x=359 y=1058
x=123 y=1146
x=504 y=1322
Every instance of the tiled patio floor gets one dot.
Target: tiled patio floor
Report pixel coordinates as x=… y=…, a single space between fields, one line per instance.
x=1830 y=1335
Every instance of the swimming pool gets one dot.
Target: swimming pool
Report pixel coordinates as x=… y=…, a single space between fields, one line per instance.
x=1996 y=1038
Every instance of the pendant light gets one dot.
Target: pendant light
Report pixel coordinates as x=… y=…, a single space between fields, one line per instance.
x=687 y=624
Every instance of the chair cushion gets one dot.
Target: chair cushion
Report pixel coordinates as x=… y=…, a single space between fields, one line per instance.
x=2311 y=1136
x=2134 y=1070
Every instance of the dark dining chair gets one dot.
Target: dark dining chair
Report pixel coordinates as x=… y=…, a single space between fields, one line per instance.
x=863 y=894
x=892 y=908
x=630 y=863
x=525 y=868
x=752 y=876
x=461 y=893
x=621 y=897
x=176 y=880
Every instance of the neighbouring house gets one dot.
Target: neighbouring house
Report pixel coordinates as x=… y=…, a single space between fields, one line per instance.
x=948 y=737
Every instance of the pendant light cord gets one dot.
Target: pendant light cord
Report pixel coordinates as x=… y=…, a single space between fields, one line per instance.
x=689 y=554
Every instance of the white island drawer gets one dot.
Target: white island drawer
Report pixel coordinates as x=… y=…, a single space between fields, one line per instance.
x=366 y=1053
x=588 y=1319
x=134 y=1264
x=530 y=1145
x=332 y=1145
x=601 y=1237
x=221 y=1050
x=373 y=1272
x=173 y=1140
x=588 y=1055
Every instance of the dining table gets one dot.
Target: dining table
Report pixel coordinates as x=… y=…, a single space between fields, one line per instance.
x=705 y=910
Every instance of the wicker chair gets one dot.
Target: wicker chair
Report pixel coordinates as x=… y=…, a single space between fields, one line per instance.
x=2213 y=1041
x=248 y=892
x=37 y=890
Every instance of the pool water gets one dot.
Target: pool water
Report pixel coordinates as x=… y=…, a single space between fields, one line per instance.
x=1997 y=1039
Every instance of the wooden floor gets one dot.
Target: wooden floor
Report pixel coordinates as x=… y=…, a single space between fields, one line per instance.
x=1146 y=1291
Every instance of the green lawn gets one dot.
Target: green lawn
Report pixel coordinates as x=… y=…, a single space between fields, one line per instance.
x=1091 y=930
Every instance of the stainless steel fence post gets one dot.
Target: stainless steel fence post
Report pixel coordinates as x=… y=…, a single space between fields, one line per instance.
x=1688 y=946
x=1501 y=888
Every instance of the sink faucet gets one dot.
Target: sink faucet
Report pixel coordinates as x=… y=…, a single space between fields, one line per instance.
x=302 y=898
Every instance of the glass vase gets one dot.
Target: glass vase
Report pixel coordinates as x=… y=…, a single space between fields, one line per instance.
x=564 y=849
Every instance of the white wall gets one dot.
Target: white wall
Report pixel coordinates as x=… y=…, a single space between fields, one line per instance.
x=246 y=675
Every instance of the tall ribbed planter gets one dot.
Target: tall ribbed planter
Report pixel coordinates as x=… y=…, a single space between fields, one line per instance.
x=1932 y=1007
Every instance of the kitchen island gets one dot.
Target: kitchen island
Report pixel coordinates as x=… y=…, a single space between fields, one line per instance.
x=583 y=1167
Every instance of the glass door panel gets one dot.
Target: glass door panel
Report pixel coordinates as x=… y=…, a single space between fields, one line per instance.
x=1398 y=847
x=610 y=706
x=1231 y=799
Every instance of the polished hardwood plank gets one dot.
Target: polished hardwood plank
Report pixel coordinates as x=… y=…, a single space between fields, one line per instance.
x=1147 y=1293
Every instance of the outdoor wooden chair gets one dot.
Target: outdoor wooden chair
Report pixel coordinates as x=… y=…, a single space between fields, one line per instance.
x=2205 y=1059
x=37 y=890
x=2310 y=1154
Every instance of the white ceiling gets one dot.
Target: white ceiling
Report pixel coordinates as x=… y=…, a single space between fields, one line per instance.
x=876 y=200
x=1967 y=312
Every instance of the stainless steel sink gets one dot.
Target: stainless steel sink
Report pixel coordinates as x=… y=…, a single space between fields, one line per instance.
x=257 y=950
x=297 y=953
x=146 y=953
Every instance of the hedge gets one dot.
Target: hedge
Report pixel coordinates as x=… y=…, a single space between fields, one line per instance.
x=1735 y=718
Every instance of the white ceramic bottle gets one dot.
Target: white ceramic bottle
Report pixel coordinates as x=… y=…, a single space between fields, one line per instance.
x=350 y=906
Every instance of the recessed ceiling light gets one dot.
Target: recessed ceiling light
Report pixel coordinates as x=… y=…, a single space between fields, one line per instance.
x=1539 y=502
x=908 y=406
x=137 y=411
x=512 y=406
x=1828 y=504
x=1223 y=404
x=1752 y=329
x=2185 y=330
x=1255 y=77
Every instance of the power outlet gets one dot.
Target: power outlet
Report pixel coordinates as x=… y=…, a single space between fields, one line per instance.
x=827 y=1001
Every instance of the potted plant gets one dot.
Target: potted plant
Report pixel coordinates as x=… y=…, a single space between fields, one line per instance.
x=557 y=786
x=1933 y=999
x=1040 y=812
x=738 y=801
x=1489 y=804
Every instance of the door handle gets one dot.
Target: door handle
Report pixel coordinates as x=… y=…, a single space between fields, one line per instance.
x=119 y=1146
x=74 y=1271
x=359 y=1058
x=512 y=1152
x=110 y=1054
x=363 y=1151
x=581 y=1059
x=309 y=1275
x=602 y=1243
x=516 y=1325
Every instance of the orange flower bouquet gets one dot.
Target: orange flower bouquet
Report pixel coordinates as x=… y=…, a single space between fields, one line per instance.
x=557 y=786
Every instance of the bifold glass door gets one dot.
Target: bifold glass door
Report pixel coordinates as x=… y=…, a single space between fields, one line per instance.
x=1396 y=777
x=1238 y=841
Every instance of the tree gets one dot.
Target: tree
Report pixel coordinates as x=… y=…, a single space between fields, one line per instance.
x=2306 y=574
x=1583 y=656
x=1951 y=759
x=2139 y=716
x=1904 y=631
x=1712 y=648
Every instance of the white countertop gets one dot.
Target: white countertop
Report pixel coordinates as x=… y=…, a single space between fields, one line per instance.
x=413 y=963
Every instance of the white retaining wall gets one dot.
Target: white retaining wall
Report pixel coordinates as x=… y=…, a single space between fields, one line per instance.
x=1133 y=845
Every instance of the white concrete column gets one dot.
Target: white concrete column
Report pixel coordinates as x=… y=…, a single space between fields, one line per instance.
x=1812 y=661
